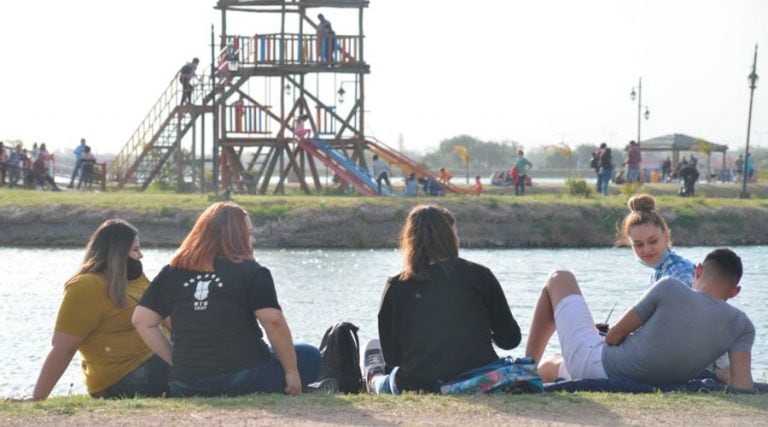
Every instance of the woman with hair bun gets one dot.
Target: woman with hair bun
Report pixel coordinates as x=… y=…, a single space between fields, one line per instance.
x=650 y=238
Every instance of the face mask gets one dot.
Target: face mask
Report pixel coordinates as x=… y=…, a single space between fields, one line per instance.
x=658 y=263
x=134 y=269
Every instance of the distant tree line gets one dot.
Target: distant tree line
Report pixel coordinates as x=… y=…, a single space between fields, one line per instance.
x=487 y=157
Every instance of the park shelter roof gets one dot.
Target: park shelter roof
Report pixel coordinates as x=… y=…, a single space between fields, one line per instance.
x=678 y=142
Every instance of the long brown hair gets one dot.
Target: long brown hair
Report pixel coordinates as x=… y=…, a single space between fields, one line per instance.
x=107 y=254
x=642 y=210
x=429 y=235
x=221 y=230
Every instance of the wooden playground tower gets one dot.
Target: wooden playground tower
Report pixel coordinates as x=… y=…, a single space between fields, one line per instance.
x=250 y=97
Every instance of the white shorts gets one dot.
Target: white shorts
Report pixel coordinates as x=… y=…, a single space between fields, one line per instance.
x=580 y=341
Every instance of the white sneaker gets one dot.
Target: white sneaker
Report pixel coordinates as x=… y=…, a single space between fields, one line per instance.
x=373 y=363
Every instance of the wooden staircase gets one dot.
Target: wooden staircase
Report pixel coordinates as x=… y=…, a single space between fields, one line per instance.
x=160 y=133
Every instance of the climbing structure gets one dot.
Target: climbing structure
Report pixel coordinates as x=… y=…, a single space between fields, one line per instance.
x=250 y=98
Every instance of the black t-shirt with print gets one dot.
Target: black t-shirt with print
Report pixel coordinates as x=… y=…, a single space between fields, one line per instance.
x=212 y=316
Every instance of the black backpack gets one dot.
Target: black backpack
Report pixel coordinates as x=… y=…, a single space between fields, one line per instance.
x=340 y=351
x=594 y=162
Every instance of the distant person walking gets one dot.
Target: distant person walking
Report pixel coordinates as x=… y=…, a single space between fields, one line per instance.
x=88 y=162
x=78 y=162
x=381 y=172
x=689 y=174
x=606 y=169
x=187 y=73
x=750 y=166
x=15 y=164
x=325 y=38
x=523 y=165
x=3 y=164
x=666 y=169
x=740 y=165
x=634 y=157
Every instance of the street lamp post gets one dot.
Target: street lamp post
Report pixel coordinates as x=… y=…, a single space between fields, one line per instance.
x=752 y=85
x=640 y=106
x=341 y=93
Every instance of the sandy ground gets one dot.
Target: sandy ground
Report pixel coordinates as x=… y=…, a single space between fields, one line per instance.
x=579 y=415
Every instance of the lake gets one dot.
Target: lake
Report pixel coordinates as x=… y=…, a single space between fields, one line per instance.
x=317 y=288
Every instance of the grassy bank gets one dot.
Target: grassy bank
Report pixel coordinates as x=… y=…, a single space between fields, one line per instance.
x=578 y=408
x=547 y=217
x=162 y=202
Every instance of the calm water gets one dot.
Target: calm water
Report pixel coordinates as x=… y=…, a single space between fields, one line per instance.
x=317 y=288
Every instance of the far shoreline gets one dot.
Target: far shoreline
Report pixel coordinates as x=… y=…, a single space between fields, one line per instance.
x=491 y=222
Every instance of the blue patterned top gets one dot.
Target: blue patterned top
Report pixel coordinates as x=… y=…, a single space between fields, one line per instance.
x=675 y=266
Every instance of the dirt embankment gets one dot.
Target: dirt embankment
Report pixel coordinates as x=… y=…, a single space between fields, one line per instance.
x=485 y=224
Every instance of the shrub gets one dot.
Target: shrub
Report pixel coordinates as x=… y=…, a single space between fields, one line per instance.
x=577 y=187
x=631 y=188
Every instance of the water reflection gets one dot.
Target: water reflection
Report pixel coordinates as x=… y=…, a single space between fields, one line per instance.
x=320 y=287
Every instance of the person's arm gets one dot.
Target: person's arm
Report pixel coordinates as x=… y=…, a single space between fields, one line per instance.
x=505 y=332
x=279 y=336
x=740 y=373
x=147 y=325
x=64 y=348
x=387 y=331
x=628 y=323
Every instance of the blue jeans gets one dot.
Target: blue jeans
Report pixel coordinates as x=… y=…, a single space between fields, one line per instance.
x=149 y=379
x=604 y=178
x=633 y=174
x=268 y=377
x=385 y=384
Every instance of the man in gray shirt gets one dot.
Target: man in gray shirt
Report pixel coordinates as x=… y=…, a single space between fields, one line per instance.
x=671 y=334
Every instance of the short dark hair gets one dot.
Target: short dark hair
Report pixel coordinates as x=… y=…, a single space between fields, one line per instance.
x=725 y=265
x=603 y=145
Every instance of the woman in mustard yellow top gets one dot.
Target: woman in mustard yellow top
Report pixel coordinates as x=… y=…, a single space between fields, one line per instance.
x=95 y=318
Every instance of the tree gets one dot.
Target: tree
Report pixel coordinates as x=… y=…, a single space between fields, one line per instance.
x=704 y=147
x=564 y=152
x=483 y=157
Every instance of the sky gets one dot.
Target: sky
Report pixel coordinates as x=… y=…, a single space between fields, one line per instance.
x=536 y=72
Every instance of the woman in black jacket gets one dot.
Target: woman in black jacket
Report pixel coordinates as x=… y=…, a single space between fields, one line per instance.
x=441 y=315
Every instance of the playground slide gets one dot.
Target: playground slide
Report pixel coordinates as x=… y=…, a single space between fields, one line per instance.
x=342 y=166
x=408 y=165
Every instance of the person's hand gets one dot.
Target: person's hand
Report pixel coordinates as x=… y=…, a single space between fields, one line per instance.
x=292 y=383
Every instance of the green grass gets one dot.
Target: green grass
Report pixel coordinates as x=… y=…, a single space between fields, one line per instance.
x=264 y=208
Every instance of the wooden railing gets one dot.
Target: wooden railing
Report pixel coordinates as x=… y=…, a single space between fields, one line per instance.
x=294 y=49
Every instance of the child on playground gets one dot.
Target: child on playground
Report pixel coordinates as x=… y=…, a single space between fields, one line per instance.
x=477 y=189
x=445 y=176
x=298 y=127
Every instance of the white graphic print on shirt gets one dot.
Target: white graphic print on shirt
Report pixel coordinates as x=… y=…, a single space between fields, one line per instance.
x=202 y=288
